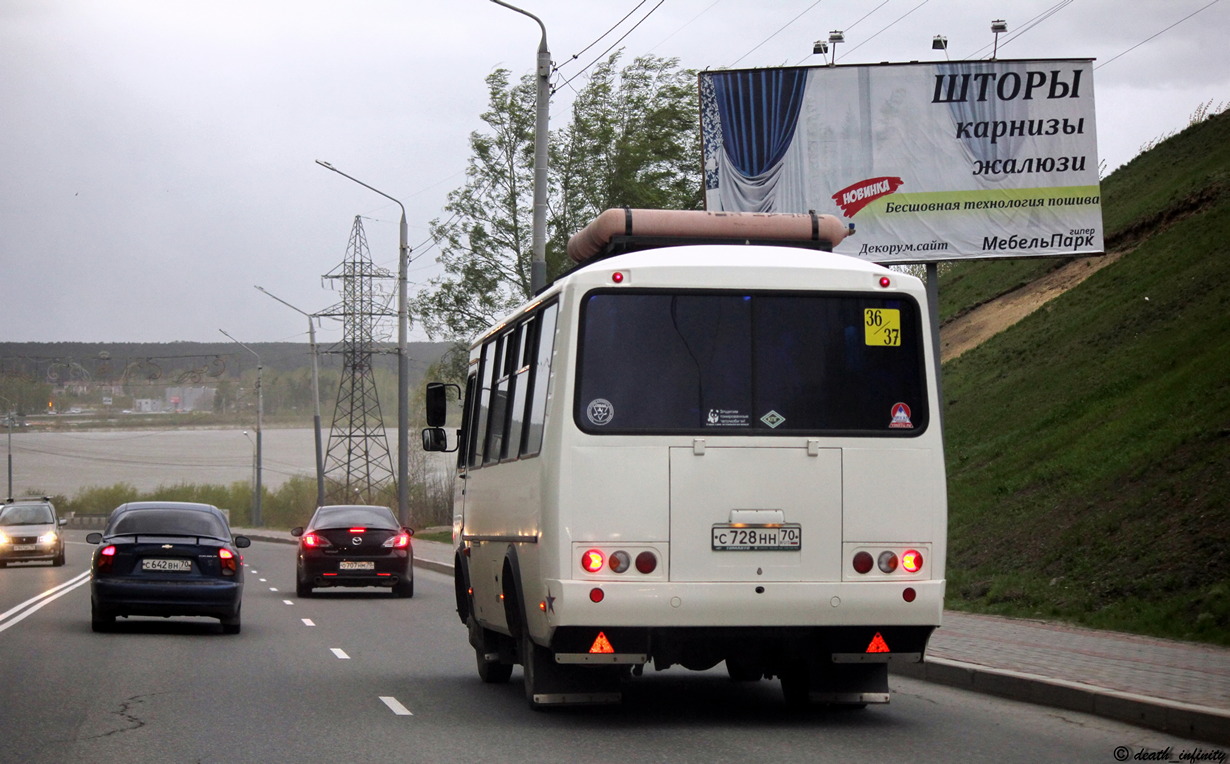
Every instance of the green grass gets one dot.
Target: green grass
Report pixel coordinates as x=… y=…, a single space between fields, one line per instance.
x=1089 y=445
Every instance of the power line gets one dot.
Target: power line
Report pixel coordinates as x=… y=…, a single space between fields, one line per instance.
x=1027 y=26
x=885 y=29
x=775 y=34
x=579 y=53
x=1147 y=39
x=612 y=46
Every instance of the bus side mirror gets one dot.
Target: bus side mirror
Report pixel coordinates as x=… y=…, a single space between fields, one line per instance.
x=435 y=439
x=437 y=404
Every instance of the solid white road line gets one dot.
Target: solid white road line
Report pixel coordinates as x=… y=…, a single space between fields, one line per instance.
x=340 y=653
x=36 y=602
x=395 y=706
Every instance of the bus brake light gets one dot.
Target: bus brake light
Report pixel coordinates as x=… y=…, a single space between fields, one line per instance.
x=592 y=561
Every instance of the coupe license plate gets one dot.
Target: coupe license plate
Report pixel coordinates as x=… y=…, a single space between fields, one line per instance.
x=167 y=566
x=353 y=565
x=758 y=538
x=24 y=547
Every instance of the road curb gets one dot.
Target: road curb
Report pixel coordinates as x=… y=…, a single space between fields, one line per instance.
x=1183 y=719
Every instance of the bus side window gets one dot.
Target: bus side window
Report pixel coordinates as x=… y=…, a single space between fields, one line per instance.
x=465 y=442
x=511 y=386
x=540 y=377
x=499 y=402
x=482 y=405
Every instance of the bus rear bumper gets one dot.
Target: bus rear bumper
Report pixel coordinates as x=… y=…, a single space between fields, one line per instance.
x=743 y=604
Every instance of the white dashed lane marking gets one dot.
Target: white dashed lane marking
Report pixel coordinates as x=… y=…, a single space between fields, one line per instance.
x=308 y=622
x=395 y=706
x=340 y=653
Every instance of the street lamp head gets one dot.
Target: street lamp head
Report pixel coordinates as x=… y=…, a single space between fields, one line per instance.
x=939 y=42
x=820 y=47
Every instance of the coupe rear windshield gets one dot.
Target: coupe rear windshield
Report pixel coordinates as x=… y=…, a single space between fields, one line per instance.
x=169 y=522
x=728 y=363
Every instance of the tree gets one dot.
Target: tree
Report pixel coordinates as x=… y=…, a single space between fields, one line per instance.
x=632 y=140
x=485 y=244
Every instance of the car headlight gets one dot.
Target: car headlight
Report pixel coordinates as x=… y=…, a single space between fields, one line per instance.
x=4 y=539
x=48 y=538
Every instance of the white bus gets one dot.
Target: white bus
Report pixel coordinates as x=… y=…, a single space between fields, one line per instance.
x=712 y=441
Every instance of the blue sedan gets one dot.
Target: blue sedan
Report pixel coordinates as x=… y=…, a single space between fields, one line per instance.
x=166 y=558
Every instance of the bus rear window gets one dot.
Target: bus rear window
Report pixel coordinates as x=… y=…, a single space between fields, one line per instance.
x=725 y=363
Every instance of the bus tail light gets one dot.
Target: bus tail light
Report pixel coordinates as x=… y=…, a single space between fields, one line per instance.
x=887 y=562
x=620 y=561
x=863 y=562
x=592 y=561
x=646 y=562
x=912 y=561
x=596 y=595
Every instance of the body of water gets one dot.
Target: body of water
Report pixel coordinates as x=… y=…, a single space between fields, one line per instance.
x=65 y=462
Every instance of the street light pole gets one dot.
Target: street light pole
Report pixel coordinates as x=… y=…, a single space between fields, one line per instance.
x=403 y=361
x=538 y=264
x=320 y=454
x=260 y=414
x=8 y=419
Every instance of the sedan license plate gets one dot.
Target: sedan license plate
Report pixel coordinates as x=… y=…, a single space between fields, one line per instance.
x=729 y=537
x=24 y=547
x=355 y=565
x=167 y=566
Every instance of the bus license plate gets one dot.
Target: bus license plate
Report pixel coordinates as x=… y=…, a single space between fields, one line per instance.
x=353 y=565
x=172 y=566
x=758 y=538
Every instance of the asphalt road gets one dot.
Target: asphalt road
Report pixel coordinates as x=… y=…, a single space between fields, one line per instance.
x=361 y=676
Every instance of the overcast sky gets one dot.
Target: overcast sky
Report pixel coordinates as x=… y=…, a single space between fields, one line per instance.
x=157 y=156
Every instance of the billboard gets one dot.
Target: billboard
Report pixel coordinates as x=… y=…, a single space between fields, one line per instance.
x=930 y=162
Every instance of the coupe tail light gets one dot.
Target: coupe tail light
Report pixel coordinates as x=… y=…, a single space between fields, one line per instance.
x=229 y=562
x=315 y=541
x=400 y=541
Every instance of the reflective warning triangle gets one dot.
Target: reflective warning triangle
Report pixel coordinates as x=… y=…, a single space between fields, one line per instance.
x=603 y=645
x=878 y=645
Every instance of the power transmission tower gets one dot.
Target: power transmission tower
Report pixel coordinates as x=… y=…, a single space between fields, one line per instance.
x=357 y=463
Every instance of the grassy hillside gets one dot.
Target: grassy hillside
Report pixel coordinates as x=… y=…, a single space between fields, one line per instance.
x=1089 y=445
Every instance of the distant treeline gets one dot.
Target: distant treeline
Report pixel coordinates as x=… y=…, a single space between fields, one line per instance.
x=61 y=362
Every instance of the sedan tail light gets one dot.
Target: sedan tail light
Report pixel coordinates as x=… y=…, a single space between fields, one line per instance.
x=229 y=562
x=314 y=540
x=106 y=557
x=400 y=541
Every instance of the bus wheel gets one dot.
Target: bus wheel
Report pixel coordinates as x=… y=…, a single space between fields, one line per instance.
x=486 y=644
x=536 y=667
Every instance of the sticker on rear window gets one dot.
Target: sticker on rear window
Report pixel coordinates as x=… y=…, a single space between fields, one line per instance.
x=600 y=411
x=901 y=417
x=726 y=418
x=773 y=419
x=882 y=327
